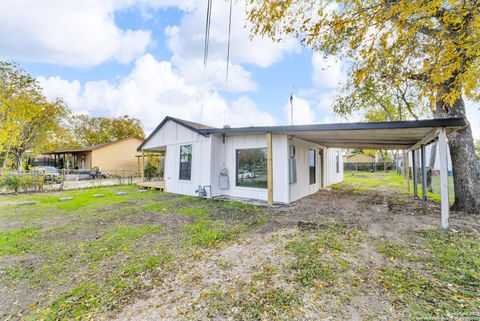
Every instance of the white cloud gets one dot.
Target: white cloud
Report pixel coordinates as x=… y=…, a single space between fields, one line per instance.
x=186 y=41
x=78 y=33
x=328 y=72
x=473 y=116
x=303 y=113
x=153 y=90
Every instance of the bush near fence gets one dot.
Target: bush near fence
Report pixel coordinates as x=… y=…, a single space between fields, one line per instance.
x=35 y=181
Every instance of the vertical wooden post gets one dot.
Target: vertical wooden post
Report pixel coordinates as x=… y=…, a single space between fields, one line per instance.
x=269 y=169
x=442 y=147
x=143 y=166
x=414 y=174
x=424 y=177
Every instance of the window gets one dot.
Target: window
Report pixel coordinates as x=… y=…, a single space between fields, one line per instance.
x=252 y=167
x=337 y=160
x=185 y=162
x=311 y=165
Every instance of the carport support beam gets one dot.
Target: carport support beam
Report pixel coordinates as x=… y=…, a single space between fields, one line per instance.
x=406 y=162
x=269 y=169
x=442 y=147
x=414 y=174
x=424 y=177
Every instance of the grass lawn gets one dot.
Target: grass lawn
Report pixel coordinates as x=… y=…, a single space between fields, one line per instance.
x=364 y=250
x=391 y=180
x=90 y=256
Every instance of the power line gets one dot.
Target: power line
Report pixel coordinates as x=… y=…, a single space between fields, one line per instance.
x=207 y=31
x=228 y=42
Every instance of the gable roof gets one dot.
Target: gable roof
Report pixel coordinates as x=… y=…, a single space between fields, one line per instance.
x=193 y=126
x=90 y=148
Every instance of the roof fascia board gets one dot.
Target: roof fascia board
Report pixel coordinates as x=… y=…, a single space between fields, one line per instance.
x=438 y=122
x=164 y=121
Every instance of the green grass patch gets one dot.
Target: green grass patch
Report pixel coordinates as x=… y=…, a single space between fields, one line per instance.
x=119 y=238
x=317 y=255
x=208 y=233
x=447 y=280
x=91 y=298
x=17 y=241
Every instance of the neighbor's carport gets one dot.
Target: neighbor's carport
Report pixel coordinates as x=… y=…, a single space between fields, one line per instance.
x=397 y=135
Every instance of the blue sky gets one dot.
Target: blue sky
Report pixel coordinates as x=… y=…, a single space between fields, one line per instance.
x=144 y=58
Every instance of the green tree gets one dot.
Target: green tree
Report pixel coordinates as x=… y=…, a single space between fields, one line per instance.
x=432 y=45
x=28 y=120
x=87 y=131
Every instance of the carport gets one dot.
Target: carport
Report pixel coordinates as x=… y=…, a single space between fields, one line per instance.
x=408 y=136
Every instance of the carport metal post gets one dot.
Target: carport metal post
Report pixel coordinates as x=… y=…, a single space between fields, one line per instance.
x=406 y=169
x=269 y=168
x=414 y=175
x=442 y=147
x=424 y=177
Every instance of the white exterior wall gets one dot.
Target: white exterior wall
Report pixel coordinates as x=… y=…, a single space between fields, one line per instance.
x=170 y=137
x=331 y=175
x=210 y=154
x=325 y=171
x=225 y=155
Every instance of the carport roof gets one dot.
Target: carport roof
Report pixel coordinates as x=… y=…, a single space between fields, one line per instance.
x=372 y=135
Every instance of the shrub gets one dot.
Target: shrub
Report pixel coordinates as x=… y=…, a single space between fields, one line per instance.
x=150 y=170
x=12 y=182
x=15 y=183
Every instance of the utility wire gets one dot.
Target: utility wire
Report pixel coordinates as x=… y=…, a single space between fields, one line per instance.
x=228 y=42
x=207 y=31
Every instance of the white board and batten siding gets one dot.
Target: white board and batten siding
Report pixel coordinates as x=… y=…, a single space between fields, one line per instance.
x=325 y=170
x=170 y=137
x=225 y=155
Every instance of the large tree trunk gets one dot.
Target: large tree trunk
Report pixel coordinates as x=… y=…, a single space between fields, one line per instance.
x=462 y=151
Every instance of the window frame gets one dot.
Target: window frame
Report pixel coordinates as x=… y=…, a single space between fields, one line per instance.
x=237 y=167
x=310 y=152
x=180 y=163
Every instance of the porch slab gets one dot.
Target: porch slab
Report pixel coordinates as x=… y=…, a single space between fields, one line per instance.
x=160 y=185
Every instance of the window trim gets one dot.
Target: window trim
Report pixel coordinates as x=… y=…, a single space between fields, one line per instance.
x=236 y=168
x=180 y=163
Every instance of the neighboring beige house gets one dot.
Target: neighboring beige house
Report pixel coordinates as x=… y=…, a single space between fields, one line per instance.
x=119 y=155
x=358 y=158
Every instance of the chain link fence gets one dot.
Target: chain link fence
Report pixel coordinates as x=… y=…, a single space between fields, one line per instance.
x=45 y=179
x=369 y=167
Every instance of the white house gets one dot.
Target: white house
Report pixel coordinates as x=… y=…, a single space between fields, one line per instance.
x=284 y=163
x=234 y=161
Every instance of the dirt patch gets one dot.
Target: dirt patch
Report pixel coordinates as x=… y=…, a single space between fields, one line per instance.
x=182 y=295
x=381 y=216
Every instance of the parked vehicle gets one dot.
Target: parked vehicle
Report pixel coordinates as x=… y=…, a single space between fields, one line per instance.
x=49 y=173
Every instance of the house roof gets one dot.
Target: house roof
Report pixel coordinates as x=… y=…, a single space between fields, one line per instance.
x=88 y=148
x=193 y=126
x=368 y=135
x=371 y=135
